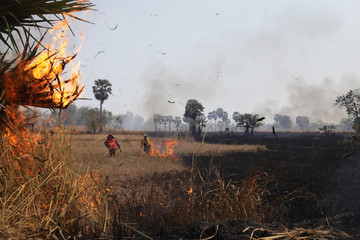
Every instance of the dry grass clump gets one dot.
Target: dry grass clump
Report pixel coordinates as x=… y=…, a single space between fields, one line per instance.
x=321 y=232
x=40 y=194
x=163 y=202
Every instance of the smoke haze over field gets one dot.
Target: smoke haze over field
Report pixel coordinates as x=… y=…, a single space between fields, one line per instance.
x=267 y=57
x=313 y=100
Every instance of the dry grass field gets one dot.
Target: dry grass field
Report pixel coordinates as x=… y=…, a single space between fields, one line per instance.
x=89 y=150
x=64 y=186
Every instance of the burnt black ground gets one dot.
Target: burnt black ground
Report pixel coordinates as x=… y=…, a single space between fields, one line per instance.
x=318 y=163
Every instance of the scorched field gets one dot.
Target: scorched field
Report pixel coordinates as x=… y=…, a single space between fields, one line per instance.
x=295 y=186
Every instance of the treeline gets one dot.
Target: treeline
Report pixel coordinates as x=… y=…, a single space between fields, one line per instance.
x=217 y=120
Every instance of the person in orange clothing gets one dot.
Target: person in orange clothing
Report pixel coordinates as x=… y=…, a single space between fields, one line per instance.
x=145 y=143
x=112 y=144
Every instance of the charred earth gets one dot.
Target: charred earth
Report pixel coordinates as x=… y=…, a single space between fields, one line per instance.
x=318 y=172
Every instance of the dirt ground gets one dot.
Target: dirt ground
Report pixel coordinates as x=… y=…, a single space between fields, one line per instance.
x=311 y=164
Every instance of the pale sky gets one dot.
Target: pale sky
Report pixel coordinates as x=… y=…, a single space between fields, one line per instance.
x=267 y=57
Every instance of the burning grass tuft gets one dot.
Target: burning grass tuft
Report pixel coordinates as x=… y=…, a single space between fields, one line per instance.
x=40 y=194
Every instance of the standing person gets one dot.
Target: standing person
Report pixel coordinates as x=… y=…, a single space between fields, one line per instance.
x=145 y=143
x=112 y=144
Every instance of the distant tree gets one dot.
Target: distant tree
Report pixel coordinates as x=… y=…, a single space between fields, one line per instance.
x=65 y=116
x=177 y=122
x=118 y=121
x=227 y=123
x=187 y=121
x=235 y=117
x=170 y=120
x=138 y=122
x=220 y=125
x=225 y=119
x=249 y=122
x=200 y=123
x=221 y=114
x=157 y=119
x=164 y=121
x=132 y=121
x=91 y=120
x=346 y=124
x=351 y=102
x=167 y=120
x=303 y=122
x=282 y=121
x=194 y=113
x=80 y=115
x=212 y=116
x=102 y=91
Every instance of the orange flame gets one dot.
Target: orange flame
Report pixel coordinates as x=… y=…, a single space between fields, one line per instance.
x=40 y=81
x=164 y=151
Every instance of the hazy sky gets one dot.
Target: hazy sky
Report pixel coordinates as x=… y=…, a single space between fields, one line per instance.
x=288 y=57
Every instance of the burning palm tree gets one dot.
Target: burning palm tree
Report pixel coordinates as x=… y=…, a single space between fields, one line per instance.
x=42 y=197
x=34 y=76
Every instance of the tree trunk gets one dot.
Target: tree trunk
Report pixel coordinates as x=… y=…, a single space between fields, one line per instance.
x=247 y=127
x=101 y=117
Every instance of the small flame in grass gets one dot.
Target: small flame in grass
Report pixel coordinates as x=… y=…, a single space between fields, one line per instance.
x=164 y=149
x=190 y=191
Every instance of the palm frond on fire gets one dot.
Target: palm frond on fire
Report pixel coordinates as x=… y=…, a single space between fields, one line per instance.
x=16 y=15
x=36 y=75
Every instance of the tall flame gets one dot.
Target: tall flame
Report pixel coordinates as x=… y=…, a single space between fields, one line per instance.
x=39 y=81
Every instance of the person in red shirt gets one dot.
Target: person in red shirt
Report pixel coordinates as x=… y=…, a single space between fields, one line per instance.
x=112 y=144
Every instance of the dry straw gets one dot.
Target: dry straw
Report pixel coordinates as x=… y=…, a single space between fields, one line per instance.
x=41 y=196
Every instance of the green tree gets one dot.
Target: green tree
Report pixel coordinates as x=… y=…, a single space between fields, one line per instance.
x=91 y=120
x=351 y=102
x=102 y=91
x=195 y=116
x=249 y=122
